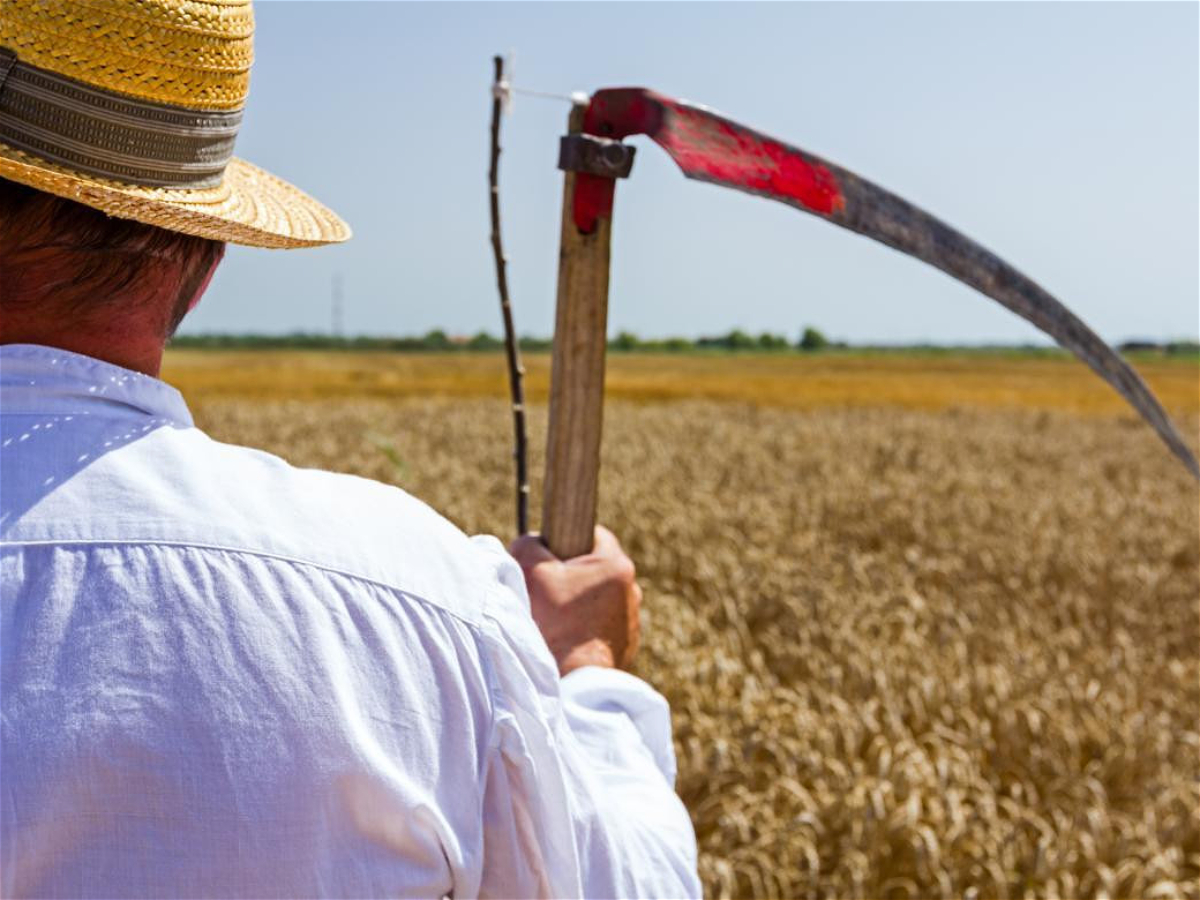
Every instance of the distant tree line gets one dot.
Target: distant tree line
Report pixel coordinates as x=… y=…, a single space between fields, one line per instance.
x=810 y=340
x=737 y=339
x=439 y=341
x=432 y=341
x=1167 y=348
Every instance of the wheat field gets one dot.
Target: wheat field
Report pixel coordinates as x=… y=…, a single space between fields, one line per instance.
x=928 y=627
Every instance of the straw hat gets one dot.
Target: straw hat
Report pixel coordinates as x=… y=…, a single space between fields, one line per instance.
x=132 y=106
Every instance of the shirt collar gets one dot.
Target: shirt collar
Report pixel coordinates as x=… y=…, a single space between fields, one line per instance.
x=40 y=380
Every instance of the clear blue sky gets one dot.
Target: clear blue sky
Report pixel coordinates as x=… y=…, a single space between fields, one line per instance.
x=1062 y=136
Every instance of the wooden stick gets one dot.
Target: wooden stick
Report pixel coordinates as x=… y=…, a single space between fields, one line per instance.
x=576 y=379
x=516 y=371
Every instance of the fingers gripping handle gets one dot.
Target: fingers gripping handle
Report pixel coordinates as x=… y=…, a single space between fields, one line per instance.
x=576 y=377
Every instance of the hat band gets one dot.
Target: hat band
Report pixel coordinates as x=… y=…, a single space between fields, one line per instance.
x=100 y=133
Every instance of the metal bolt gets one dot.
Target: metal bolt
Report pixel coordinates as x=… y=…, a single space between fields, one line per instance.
x=595 y=156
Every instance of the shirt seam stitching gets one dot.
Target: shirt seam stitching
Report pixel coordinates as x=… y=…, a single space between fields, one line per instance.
x=86 y=410
x=90 y=370
x=241 y=551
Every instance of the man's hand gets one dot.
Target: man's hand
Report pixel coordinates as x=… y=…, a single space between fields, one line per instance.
x=587 y=607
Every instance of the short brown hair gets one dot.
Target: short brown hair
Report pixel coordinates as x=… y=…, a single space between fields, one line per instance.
x=74 y=260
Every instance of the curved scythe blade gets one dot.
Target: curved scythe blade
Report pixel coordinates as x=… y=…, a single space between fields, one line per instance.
x=710 y=147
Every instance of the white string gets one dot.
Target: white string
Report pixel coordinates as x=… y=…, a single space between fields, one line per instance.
x=573 y=97
x=504 y=89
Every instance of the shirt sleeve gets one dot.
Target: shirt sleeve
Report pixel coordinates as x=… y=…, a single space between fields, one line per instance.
x=578 y=796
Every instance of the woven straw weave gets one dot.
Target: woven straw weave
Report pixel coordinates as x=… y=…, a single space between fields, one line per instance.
x=190 y=53
x=251 y=207
x=194 y=54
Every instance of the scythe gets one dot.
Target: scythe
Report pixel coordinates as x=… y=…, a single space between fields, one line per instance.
x=710 y=147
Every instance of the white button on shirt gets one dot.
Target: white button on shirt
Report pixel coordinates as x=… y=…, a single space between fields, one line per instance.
x=223 y=676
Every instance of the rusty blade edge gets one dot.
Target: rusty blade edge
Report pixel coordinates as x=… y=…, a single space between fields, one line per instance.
x=877 y=213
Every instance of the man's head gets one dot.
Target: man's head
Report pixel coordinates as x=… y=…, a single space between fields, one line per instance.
x=68 y=272
x=138 y=122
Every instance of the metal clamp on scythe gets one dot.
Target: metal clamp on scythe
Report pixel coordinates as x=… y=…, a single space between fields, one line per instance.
x=595 y=156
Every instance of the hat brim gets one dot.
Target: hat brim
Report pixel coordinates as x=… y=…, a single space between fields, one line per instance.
x=250 y=207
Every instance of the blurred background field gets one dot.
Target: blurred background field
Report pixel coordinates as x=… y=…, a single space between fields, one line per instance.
x=908 y=379
x=929 y=625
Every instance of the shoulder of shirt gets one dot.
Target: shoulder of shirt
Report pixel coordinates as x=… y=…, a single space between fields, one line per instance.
x=180 y=487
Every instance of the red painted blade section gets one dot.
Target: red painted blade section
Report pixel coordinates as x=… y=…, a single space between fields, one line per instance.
x=708 y=147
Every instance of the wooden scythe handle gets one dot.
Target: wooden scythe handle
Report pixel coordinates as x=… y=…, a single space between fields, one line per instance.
x=576 y=379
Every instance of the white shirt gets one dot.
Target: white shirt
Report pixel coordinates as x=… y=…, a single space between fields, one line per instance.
x=223 y=676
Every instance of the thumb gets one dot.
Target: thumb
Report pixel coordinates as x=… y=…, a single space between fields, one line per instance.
x=529 y=551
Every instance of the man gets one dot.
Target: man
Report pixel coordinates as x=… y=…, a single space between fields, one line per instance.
x=222 y=676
